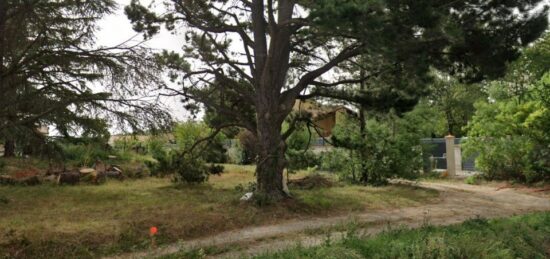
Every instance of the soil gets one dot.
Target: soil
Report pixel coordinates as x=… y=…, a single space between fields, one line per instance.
x=457 y=203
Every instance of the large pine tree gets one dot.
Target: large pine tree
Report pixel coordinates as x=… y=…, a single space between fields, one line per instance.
x=263 y=55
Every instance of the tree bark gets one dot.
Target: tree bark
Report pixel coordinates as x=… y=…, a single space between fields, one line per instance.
x=271 y=161
x=363 y=131
x=271 y=67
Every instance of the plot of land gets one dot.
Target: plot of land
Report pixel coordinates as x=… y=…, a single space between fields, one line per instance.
x=459 y=202
x=90 y=221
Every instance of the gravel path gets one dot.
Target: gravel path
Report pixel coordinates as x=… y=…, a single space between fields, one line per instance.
x=458 y=202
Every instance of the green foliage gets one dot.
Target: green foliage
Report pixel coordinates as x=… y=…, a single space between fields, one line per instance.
x=384 y=151
x=298 y=154
x=400 y=40
x=301 y=159
x=156 y=146
x=454 y=102
x=189 y=169
x=334 y=160
x=472 y=180
x=86 y=91
x=84 y=154
x=235 y=154
x=188 y=162
x=511 y=139
x=510 y=133
x=515 y=237
x=189 y=133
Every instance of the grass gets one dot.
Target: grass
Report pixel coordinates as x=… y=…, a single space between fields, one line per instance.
x=516 y=237
x=89 y=221
x=13 y=165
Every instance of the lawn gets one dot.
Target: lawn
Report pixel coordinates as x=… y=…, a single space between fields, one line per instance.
x=89 y=221
x=516 y=237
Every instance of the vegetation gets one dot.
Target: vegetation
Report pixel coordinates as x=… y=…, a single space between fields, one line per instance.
x=281 y=53
x=515 y=237
x=89 y=221
x=53 y=74
x=510 y=132
x=187 y=161
x=389 y=146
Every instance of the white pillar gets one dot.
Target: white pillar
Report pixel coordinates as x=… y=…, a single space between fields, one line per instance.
x=450 y=155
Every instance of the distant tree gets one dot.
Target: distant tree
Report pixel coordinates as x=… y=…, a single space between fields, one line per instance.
x=53 y=73
x=456 y=101
x=530 y=67
x=509 y=132
x=266 y=54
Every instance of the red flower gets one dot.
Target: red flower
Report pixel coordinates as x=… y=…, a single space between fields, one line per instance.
x=153 y=231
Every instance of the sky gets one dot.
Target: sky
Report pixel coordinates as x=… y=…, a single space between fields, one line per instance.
x=116 y=28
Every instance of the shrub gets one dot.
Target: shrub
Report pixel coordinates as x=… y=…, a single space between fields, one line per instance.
x=186 y=167
x=162 y=165
x=472 y=180
x=384 y=152
x=334 y=160
x=299 y=159
x=235 y=154
x=248 y=142
x=212 y=151
x=512 y=140
x=189 y=169
x=85 y=154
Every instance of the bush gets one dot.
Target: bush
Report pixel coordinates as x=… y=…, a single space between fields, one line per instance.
x=85 y=154
x=472 y=180
x=512 y=140
x=191 y=169
x=334 y=160
x=300 y=160
x=212 y=151
x=248 y=142
x=384 y=153
x=235 y=155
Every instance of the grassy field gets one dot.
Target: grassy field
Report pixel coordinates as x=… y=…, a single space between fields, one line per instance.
x=517 y=237
x=87 y=221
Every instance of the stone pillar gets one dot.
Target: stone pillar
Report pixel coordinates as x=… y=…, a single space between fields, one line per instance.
x=450 y=155
x=458 y=159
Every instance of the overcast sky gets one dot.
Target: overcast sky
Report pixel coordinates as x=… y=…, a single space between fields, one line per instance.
x=116 y=28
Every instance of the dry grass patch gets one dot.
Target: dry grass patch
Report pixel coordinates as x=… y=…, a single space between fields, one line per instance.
x=88 y=221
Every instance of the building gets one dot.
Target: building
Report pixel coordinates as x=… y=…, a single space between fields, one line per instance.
x=325 y=117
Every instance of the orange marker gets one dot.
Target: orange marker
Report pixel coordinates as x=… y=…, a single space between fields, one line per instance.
x=153 y=231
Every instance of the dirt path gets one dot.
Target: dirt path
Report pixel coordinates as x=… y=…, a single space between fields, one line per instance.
x=458 y=202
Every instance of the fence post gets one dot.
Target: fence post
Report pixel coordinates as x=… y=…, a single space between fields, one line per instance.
x=450 y=155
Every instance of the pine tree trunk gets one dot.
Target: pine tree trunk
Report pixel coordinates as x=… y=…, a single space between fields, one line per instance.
x=363 y=152
x=271 y=161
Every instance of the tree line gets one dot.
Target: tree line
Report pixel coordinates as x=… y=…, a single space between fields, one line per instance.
x=246 y=62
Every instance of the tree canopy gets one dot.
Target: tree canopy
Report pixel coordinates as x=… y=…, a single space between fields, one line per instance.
x=263 y=55
x=52 y=72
